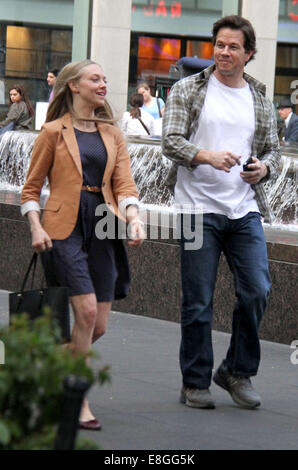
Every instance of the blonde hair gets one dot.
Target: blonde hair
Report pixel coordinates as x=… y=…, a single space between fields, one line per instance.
x=62 y=99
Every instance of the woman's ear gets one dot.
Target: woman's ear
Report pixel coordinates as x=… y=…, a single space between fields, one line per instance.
x=73 y=86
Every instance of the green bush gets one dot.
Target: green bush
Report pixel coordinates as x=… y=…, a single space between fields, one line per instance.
x=31 y=383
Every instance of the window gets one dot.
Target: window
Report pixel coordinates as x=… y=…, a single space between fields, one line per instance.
x=155 y=55
x=286 y=71
x=151 y=58
x=26 y=55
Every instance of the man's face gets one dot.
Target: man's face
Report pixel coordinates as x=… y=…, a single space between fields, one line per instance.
x=284 y=112
x=229 y=54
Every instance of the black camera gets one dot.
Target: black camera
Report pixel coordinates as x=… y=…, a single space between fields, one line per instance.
x=245 y=166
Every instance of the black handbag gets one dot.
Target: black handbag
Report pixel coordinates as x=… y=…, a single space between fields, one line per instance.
x=34 y=301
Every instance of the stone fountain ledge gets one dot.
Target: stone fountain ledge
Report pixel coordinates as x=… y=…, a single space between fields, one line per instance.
x=155 y=271
x=155 y=267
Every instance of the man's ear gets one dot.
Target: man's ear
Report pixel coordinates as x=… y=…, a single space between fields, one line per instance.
x=249 y=54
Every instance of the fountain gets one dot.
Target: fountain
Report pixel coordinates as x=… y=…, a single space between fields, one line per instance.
x=155 y=289
x=15 y=151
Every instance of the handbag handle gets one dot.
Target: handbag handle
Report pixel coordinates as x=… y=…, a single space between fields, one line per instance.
x=143 y=124
x=32 y=265
x=158 y=103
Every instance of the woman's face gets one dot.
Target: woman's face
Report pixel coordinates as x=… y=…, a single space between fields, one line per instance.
x=15 y=96
x=146 y=93
x=92 y=86
x=51 y=79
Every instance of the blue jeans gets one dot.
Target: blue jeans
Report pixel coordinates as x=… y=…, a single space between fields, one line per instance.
x=243 y=243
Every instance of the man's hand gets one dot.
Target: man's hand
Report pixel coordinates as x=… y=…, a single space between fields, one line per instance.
x=219 y=160
x=258 y=172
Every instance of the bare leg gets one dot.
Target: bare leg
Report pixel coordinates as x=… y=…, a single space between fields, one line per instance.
x=103 y=310
x=85 y=312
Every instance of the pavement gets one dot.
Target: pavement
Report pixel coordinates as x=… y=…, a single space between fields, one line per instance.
x=139 y=409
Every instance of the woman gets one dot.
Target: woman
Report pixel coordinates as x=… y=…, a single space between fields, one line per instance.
x=20 y=111
x=51 y=79
x=136 y=121
x=85 y=158
x=151 y=105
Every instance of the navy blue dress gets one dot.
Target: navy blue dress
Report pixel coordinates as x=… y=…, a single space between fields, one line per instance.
x=83 y=262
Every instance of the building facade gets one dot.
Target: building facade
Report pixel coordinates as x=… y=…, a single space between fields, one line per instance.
x=137 y=40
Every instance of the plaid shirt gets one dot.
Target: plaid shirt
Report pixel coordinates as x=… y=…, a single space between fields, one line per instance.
x=181 y=117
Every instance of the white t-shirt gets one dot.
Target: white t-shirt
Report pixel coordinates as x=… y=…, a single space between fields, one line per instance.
x=132 y=126
x=226 y=123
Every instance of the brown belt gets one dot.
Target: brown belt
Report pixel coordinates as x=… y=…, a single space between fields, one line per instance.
x=92 y=189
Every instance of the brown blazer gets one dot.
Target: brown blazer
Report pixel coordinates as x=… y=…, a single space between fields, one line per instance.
x=56 y=155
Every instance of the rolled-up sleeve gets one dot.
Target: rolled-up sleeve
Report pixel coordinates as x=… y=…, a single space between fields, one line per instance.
x=271 y=151
x=41 y=162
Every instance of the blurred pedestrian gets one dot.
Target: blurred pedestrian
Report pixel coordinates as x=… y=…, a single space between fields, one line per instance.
x=20 y=112
x=85 y=158
x=153 y=106
x=137 y=121
x=285 y=110
x=51 y=79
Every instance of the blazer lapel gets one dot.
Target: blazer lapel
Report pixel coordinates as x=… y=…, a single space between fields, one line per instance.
x=71 y=141
x=109 y=144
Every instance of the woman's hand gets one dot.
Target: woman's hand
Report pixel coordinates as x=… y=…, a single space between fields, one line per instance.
x=135 y=227
x=40 y=240
x=136 y=231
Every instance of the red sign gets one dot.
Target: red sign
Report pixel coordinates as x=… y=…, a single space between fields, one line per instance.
x=292 y=15
x=160 y=9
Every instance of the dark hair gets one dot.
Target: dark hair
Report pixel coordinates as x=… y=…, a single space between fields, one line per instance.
x=24 y=96
x=136 y=101
x=54 y=72
x=242 y=24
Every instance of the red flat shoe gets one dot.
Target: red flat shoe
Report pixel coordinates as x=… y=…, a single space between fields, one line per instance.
x=91 y=425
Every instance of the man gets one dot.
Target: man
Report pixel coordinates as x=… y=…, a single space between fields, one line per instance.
x=213 y=122
x=285 y=110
